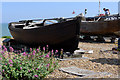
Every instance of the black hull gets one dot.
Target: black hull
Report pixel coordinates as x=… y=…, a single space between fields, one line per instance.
x=60 y=35
x=103 y=28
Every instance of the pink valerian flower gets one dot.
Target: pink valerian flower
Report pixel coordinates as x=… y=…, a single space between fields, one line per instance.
x=21 y=68
x=3 y=55
x=40 y=56
x=49 y=53
x=56 y=51
x=24 y=54
x=47 y=56
x=5 y=49
x=2 y=52
x=44 y=48
x=5 y=63
x=11 y=49
x=36 y=68
x=48 y=65
x=30 y=49
x=35 y=75
x=28 y=70
x=38 y=50
x=0 y=58
x=14 y=57
x=28 y=55
x=3 y=70
x=10 y=61
x=0 y=47
x=4 y=46
x=19 y=51
x=22 y=49
x=11 y=65
x=33 y=53
x=52 y=51
x=47 y=46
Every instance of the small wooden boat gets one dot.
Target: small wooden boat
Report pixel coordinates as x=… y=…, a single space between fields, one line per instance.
x=100 y=26
x=61 y=34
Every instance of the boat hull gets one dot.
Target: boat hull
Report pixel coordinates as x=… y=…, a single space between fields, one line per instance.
x=105 y=28
x=60 y=35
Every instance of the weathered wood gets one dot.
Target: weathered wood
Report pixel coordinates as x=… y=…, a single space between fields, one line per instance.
x=82 y=72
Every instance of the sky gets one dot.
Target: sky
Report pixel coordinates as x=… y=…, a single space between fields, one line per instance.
x=15 y=11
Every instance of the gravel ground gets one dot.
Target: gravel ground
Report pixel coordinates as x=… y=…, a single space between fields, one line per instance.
x=102 y=60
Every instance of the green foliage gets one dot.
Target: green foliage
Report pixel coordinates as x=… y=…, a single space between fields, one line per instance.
x=34 y=65
x=9 y=37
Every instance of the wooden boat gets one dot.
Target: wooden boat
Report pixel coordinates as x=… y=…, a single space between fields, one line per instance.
x=63 y=34
x=101 y=26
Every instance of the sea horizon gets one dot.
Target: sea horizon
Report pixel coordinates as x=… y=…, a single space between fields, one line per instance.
x=5 y=30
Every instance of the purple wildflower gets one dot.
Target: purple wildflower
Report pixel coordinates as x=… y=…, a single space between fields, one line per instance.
x=46 y=45
x=4 y=46
x=52 y=51
x=21 y=68
x=56 y=51
x=28 y=70
x=19 y=51
x=3 y=70
x=38 y=50
x=30 y=49
x=2 y=52
x=28 y=55
x=35 y=75
x=48 y=65
x=61 y=49
x=47 y=56
x=22 y=49
x=34 y=51
x=10 y=61
x=14 y=57
x=41 y=56
x=48 y=52
x=24 y=54
x=44 y=48
x=0 y=58
x=11 y=65
x=36 y=68
x=0 y=47
x=11 y=49
x=5 y=49
x=3 y=55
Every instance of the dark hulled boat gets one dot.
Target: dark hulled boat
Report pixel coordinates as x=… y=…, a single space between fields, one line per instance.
x=63 y=34
x=101 y=26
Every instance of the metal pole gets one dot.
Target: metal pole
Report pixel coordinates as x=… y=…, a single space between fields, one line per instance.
x=99 y=7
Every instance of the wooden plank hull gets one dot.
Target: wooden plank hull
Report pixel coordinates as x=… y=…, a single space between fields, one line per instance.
x=62 y=35
x=100 y=28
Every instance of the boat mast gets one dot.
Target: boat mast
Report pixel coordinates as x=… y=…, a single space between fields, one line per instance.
x=99 y=7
